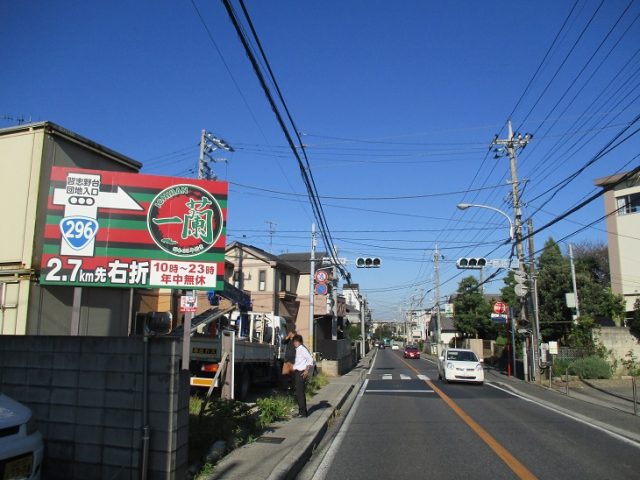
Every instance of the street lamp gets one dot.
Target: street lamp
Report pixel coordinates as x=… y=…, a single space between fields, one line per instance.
x=464 y=206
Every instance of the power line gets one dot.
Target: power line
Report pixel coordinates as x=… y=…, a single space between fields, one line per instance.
x=397 y=197
x=305 y=171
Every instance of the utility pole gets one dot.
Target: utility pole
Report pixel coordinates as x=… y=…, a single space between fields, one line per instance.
x=362 y=307
x=436 y=268
x=208 y=144
x=334 y=296
x=573 y=281
x=272 y=231
x=312 y=291
x=511 y=145
x=534 y=298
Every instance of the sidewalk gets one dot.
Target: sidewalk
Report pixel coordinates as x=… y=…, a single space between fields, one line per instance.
x=281 y=452
x=588 y=404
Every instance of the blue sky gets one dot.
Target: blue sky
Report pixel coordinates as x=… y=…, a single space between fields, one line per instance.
x=393 y=99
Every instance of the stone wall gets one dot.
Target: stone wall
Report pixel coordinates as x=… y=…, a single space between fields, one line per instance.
x=86 y=394
x=620 y=341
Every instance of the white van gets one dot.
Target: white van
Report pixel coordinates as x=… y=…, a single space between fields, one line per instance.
x=21 y=447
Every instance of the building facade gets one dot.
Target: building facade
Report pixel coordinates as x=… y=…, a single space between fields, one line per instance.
x=622 y=207
x=27 y=154
x=278 y=284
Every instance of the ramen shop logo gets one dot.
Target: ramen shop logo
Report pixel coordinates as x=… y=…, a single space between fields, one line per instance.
x=184 y=220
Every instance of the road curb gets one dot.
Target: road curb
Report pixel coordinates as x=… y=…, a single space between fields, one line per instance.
x=291 y=469
x=303 y=443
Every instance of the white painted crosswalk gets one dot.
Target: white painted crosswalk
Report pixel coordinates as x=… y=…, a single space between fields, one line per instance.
x=404 y=376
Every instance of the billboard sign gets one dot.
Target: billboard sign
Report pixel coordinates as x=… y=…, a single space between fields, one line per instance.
x=114 y=229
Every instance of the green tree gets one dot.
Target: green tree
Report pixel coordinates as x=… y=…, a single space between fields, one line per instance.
x=472 y=310
x=508 y=291
x=354 y=331
x=383 y=332
x=634 y=323
x=554 y=281
x=594 y=285
x=584 y=335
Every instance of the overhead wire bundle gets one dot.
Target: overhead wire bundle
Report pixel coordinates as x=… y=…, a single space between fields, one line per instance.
x=296 y=146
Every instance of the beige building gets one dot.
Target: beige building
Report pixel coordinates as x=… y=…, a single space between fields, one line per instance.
x=277 y=284
x=622 y=205
x=27 y=153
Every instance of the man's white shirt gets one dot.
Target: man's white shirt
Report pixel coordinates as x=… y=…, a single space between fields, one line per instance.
x=303 y=359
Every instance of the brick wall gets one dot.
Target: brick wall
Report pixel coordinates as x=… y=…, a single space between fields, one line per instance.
x=86 y=394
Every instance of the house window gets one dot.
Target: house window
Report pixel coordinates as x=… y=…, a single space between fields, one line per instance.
x=628 y=204
x=236 y=279
x=262 y=280
x=283 y=282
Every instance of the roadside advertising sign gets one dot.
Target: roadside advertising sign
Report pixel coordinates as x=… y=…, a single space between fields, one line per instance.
x=188 y=303
x=113 y=229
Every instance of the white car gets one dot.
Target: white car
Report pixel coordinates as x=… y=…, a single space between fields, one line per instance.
x=460 y=365
x=21 y=447
x=395 y=347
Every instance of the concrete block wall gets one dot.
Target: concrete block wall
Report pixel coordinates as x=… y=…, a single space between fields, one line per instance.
x=86 y=394
x=620 y=341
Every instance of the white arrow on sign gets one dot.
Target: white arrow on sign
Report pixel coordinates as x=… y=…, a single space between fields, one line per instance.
x=87 y=205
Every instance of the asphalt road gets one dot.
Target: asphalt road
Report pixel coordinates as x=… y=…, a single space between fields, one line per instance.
x=405 y=423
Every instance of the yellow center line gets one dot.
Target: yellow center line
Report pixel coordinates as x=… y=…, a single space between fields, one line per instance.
x=512 y=462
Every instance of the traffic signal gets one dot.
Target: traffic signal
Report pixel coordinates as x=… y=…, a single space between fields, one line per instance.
x=471 y=263
x=368 y=262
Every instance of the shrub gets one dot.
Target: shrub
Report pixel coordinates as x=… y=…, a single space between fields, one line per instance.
x=590 y=368
x=274 y=408
x=221 y=420
x=560 y=367
x=631 y=364
x=315 y=383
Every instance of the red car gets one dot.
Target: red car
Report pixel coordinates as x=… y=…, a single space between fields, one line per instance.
x=411 y=352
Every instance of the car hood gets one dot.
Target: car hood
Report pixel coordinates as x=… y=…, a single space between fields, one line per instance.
x=12 y=413
x=463 y=364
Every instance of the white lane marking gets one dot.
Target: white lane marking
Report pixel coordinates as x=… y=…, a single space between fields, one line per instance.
x=578 y=419
x=387 y=376
x=404 y=377
x=424 y=378
x=399 y=391
x=375 y=355
x=327 y=461
x=430 y=361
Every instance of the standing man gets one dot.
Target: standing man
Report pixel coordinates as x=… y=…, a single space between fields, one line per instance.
x=301 y=368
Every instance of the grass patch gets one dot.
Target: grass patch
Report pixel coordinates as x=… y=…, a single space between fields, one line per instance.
x=222 y=420
x=205 y=471
x=273 y=409
x=233 y=422
x=315 y=383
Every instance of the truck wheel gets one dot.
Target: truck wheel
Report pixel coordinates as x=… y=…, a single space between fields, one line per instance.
x=243 y=385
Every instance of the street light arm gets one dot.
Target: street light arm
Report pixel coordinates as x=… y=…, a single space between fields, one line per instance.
x=464 y=206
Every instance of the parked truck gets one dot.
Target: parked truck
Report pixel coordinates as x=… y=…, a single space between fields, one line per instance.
x=258 y=349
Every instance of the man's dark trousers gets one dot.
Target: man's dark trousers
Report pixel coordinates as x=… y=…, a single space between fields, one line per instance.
x=300 y=393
